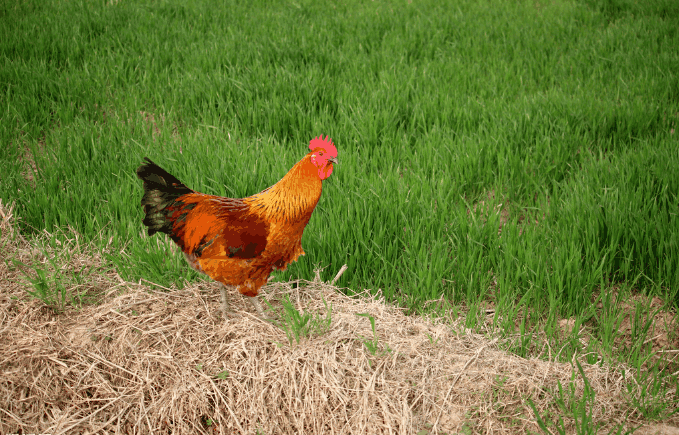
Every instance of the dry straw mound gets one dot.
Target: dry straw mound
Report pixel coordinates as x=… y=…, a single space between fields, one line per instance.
x=149 y=361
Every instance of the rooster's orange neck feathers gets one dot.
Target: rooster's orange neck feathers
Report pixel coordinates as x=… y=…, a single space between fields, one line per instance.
x=294 y=197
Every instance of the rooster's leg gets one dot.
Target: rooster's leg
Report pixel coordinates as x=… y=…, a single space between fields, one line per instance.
x=257 y=306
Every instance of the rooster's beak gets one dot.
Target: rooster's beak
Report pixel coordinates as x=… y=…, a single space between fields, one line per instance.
x=333 y=160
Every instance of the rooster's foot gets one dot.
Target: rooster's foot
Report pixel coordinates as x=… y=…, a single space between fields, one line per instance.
x=258 y=307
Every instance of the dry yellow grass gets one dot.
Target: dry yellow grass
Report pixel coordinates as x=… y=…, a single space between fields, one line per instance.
x=146 y=361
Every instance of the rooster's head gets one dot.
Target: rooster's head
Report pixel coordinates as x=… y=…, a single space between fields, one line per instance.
x=323 y=155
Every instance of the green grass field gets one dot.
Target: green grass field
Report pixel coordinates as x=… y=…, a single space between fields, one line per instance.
x=517 y=155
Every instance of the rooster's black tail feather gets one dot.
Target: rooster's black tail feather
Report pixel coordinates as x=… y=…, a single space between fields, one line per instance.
x=161 y=190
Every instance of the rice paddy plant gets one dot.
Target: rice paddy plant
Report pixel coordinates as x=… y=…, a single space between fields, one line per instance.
x=651 y=396
x=372 y=344
x=580 y=409
x=298 y=325
x=51 y=286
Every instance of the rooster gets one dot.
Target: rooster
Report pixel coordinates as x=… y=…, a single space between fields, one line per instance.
x=238 y=242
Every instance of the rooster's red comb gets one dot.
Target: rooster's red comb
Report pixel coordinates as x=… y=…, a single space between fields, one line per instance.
x=324 y=144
